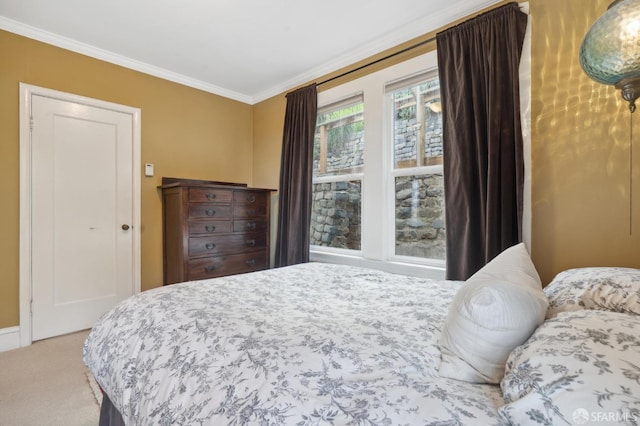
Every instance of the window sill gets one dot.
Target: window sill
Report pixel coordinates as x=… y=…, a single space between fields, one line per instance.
x=395 y=267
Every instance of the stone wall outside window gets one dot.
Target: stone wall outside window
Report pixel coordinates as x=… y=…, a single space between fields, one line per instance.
x=419 y=200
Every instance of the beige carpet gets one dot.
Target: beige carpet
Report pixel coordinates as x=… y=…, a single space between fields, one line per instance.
x=46 y=384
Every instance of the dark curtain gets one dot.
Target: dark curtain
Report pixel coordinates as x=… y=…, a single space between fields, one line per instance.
x=296 y=167
x=483 y=161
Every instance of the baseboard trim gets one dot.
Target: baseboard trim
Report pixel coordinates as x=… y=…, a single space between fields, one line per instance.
x=9 y=338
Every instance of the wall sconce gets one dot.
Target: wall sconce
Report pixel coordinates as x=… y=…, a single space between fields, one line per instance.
x=610 y=54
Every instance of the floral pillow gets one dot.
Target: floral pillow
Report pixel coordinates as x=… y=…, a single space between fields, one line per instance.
x=577 y=368
x=604 y=288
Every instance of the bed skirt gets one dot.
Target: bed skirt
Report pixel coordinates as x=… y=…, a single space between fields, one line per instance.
x=109 y=415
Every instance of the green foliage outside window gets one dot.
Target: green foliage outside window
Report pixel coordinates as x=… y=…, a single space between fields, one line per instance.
x=341 y=126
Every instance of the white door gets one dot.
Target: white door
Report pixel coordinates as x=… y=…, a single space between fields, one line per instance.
x=82 y=213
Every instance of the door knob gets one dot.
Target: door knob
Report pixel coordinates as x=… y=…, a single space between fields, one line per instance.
x=125 y=227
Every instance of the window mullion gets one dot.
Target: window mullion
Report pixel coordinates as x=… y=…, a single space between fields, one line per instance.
x=374 y=215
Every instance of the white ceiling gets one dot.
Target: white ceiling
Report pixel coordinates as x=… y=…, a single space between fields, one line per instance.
x=247 y=50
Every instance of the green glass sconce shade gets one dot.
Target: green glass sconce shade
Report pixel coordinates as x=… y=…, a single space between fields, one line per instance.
x=610 y=52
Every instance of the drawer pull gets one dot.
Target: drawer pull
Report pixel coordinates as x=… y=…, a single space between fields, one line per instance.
x=210 y=268
x=211 y=196
x=251 y=226
x=210 y=212
x=251 y=243
x=250 y=262
x=210 y=246
x=210 y=228
x=251 y=198
x=251 y=212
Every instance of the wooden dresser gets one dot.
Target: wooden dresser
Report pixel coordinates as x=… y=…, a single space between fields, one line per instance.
x=212 y=229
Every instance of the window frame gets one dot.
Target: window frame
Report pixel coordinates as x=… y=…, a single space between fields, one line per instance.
x=377 y=249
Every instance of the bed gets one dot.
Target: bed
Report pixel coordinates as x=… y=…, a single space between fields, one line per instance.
x=317 y=344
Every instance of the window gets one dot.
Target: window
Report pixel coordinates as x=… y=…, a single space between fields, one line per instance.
x=338 y=159
x=417 y=166
x=398 y=177
x=377 y=178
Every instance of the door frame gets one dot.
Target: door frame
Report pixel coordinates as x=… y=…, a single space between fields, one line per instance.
x=25 y=278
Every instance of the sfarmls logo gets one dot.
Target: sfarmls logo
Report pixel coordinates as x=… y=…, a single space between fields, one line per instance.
x=582 y=417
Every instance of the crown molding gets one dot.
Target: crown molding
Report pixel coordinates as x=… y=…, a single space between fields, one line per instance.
x=107 y=56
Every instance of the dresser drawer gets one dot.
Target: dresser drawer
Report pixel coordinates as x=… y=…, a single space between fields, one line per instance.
x=248 y=225
x=210 y=226
x=249 y=211
x=210 y=195
x=217 y=266
x=209 y=210
x=226 y=244
x=249 y=203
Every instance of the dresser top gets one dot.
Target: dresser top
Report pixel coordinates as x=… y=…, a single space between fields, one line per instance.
x=169 y=182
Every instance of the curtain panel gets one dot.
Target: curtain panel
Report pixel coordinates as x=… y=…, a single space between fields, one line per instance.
x=478 y=63
x=296 y=168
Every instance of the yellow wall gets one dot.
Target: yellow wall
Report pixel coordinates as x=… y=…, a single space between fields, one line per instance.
x=580 y=154
x=580 y=150
x=268 y=125
x=185 y=133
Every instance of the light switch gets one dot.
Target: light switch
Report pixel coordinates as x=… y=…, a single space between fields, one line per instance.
x=148 y=169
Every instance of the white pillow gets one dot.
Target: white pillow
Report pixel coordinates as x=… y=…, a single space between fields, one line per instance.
x=496 y=310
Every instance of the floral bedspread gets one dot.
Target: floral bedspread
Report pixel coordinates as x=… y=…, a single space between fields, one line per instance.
x=308 y=344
